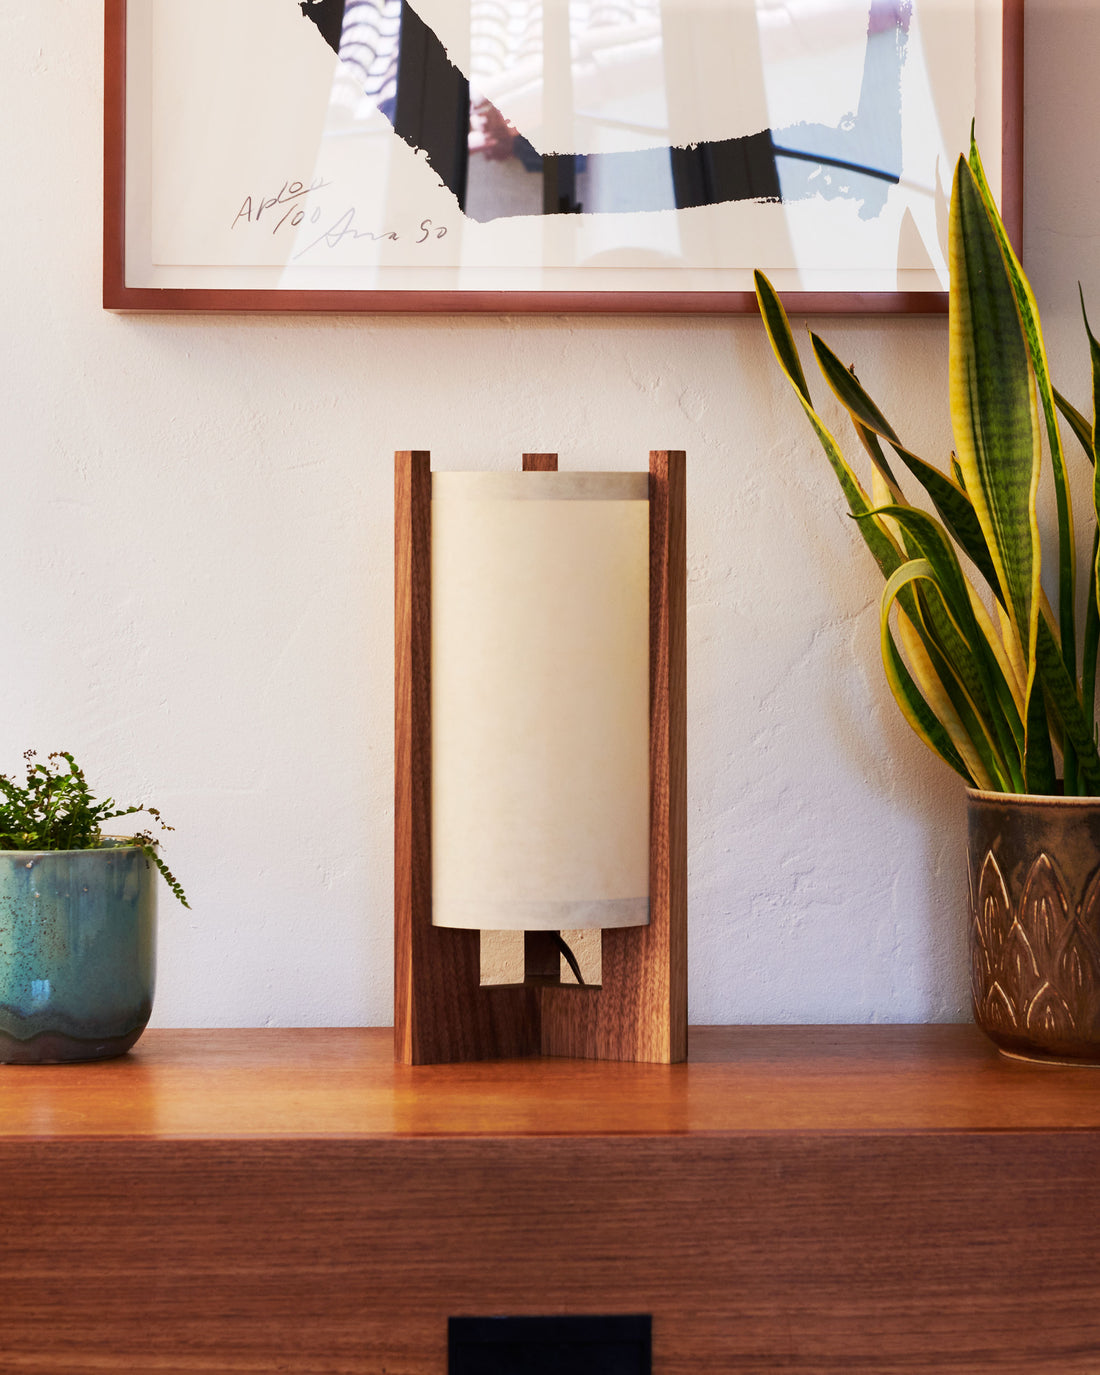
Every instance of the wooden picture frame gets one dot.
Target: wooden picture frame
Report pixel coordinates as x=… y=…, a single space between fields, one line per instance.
x=166 y=227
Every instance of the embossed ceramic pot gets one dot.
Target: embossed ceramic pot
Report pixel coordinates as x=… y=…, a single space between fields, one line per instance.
x=1034 y=904
x=77 y=952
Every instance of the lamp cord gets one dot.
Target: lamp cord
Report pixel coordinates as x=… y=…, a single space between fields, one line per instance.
x=570 y=958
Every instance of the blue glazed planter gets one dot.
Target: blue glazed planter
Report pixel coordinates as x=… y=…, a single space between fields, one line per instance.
x=77 y=952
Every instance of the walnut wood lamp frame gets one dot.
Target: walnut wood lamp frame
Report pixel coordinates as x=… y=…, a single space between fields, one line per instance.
x=442 y=1012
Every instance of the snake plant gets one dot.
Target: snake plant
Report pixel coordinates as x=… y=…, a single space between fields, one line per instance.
x=993 y=679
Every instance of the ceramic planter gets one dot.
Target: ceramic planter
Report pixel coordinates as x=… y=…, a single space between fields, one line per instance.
x=1034 y=908
x=77 y=952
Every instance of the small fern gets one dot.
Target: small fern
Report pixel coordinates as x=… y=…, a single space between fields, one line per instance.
x=55 y=810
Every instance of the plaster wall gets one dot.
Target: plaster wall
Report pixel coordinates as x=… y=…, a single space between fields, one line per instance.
x=197 y=581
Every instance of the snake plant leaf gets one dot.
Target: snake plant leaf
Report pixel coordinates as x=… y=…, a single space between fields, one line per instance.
x=1091 y=638
x=1051 y=680
x=993 y=410
x=869 y=440
x=931 y=686
x=984 y=724
x=994 y=704
x=925 y=607
x=954 y=696
x=882 y=496
x=1013 y=671
x=1039 y=771
x=1033 y=333
x=952 y=504
x=1008 y=651
x=962 y=639
x=935 y=548
x=997 y=436
x=849 y=391
x=1061 y=693
x=882 y=546
x=1011 y=644
x=866 y=416
x=924 y=719
x=951 y=679
x=1077 y=423
x=956 y=510
x=1094 y=357
x=1088 y=437
x=779 y=332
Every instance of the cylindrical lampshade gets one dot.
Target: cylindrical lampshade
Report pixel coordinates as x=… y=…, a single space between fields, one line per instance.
x=540 y=700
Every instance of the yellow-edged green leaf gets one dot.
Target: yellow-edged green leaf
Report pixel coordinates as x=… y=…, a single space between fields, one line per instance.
x=996 y=645
x=959 y=636
x=866 y=416
x=1077 y=423
x=988 y=507
x=1033 y=333
x=849 y=391
x=952 y=661
x=779 y=332
x=882 y=546
x=873 y=448
x=1010 y=642
x=935 y=694
x=1094 y=357
x=882 y=495
x=1061 y=693
x=952 y=504
x=993 y=410
x=916 y=710
x=1039 y=774
x=1091 y=639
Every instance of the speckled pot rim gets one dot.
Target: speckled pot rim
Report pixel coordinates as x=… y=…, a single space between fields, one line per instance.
x=112 y=843
x=1031 y=799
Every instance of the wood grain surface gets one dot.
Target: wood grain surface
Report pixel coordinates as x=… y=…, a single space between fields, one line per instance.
x=314 y=1083
x=540 y=463
x=871 y=1199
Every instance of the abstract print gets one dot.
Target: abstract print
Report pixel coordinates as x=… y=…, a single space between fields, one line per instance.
x=469 y=123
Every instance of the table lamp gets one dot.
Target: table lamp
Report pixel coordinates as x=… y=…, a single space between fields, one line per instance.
x=540 y=771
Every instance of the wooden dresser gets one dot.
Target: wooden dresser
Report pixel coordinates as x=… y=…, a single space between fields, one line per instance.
x=831 y=1199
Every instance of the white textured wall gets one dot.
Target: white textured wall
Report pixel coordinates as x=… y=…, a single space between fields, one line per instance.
x=197 y=589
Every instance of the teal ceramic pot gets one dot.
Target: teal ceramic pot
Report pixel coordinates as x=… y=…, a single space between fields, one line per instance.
x=77 y=952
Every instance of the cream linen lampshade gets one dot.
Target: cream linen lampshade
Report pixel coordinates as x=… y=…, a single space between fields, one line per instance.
x=540 y=700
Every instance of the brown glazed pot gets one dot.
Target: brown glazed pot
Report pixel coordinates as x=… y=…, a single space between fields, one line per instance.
x=1033 y=871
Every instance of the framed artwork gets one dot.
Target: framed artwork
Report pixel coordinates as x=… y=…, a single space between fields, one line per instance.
x=547 y=155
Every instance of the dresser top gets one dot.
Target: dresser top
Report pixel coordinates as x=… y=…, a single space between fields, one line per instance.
x=343 y=1083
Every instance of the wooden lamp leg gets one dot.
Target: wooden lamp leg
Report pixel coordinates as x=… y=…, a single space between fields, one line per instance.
x=640 y=1010
x=441 y=1012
